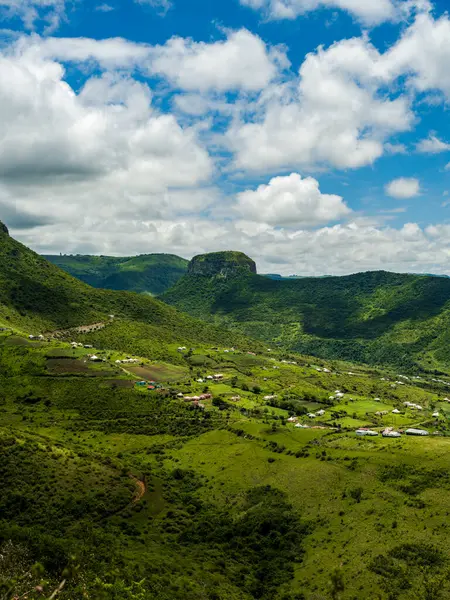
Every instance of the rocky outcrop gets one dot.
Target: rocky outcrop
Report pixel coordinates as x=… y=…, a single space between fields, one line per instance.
x=221 y=264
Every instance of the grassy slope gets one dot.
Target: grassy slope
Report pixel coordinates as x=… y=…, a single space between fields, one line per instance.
x=150 y=273
x=207 y=527
x=374 y=317
x=36 y=297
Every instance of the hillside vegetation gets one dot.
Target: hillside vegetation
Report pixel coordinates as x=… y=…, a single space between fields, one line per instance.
x=374 y=317
x=37 y=297
x=147 y=273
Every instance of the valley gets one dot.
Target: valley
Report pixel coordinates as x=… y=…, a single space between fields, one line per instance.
x=147 y=455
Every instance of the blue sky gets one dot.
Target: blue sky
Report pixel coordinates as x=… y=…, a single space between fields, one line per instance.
x=311 y=134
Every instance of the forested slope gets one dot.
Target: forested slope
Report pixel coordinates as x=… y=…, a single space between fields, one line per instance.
x=38 y=297
x=373 y=317
x=147 y=273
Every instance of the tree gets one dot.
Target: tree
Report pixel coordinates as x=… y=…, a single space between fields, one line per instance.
x=337 y=584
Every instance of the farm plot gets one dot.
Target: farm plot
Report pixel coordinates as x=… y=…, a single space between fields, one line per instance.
x=159 y=372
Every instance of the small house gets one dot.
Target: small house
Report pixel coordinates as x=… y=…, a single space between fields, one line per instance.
x=419 y=432
x=390 y=433
x=366 y=432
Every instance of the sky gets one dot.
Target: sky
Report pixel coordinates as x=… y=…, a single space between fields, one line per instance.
x=313 y=135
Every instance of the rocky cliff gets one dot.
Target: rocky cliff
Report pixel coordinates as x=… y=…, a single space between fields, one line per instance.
x=221 y=264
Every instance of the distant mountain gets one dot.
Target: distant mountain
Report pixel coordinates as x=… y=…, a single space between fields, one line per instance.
x=38 y=297
x=149 y=273
x=373 y=317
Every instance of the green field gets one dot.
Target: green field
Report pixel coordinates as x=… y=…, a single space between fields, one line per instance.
x=169 y=500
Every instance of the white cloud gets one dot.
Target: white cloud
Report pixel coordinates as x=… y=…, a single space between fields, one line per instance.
x=161 y=6
x=403 y=187
x=242 y=61
x=370 y=12
x=335 y=114
x=110 y=53
x=105 y=8
x=395 y=148
x=432 y=145
x=290 y=201
x=32 y=11
x=423 y=53
x=93 y=155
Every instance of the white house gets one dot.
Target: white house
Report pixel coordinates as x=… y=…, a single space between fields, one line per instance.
x=364 y=432
x=416 y=432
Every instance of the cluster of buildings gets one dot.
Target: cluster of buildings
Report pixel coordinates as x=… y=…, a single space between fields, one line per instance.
x=412 y=406
x=390 y=433
x=127 y=361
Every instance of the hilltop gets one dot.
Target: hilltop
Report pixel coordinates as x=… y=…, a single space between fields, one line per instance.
x=374 y=317
x=147 y=273
x=221 y=265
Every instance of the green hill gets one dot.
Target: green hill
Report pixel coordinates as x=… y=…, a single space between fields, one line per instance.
x=147 y=273
x=373 y=317
x=37 y=297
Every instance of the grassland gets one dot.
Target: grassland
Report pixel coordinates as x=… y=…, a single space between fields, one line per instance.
x=237 y=502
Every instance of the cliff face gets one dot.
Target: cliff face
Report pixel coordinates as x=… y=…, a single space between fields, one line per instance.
x=3 y=228
x=221 y=264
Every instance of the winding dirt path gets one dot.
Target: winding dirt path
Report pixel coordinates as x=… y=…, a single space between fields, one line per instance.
x=141 y=488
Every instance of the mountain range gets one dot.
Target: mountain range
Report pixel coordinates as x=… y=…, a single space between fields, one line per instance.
x=374 y=317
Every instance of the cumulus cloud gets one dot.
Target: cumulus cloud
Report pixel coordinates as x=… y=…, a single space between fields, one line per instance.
x=369 y=12
x=432 y=145
x=242 y=61
x=423 y=53
x=335 y=114
x=290 y=201
x=403 y=187
x=93 y=155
